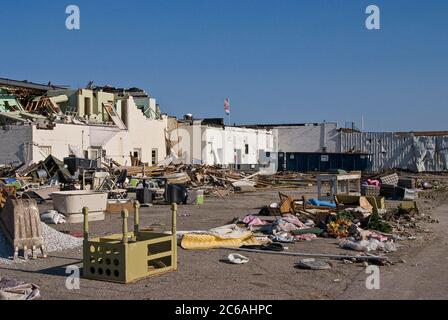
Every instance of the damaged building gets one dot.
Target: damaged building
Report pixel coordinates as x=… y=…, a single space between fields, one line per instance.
x=86 y=123
x=324 y=147
x=209 y=141
x=126 y=127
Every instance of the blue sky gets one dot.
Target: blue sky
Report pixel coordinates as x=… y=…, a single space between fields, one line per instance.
x=279 y=61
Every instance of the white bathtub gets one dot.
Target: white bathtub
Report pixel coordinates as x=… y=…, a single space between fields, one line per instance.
x=72 y=202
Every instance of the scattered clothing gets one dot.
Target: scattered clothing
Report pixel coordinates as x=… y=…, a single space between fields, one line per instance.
x=231 y=231
x=283 y=238
x=253 y=221
x=306 y=236
x=371 y=182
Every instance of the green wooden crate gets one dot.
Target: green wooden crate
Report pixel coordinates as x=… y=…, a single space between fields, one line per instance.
x=129 y=256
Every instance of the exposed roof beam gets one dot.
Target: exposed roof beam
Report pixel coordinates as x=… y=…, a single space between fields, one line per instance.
x=28 y=85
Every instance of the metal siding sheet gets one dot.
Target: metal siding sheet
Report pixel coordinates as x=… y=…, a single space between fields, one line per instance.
x=390 y=150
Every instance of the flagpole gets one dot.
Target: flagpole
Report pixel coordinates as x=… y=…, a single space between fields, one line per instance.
x=227 y=110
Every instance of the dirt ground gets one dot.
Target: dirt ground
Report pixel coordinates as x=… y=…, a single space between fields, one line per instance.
x=418 y=272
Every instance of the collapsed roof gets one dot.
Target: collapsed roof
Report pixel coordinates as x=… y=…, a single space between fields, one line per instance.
x=26 y=88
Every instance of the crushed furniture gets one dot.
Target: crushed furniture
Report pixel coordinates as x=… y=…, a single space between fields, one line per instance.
x=339 y=184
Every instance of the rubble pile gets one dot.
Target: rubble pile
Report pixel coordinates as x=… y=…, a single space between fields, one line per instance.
x=360 y=223
x=214 y=180
x=12 y=289
x=285 y=179
x=407 y=217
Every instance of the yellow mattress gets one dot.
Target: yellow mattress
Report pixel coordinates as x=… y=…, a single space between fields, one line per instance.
x=205 y=241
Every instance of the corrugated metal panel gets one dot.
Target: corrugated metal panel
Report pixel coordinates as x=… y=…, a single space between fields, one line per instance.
x=442 y=153
x=402 y=151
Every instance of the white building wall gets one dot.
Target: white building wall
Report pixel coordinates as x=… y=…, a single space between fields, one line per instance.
x=16 y=144
x=181 y=139
x=213 y=153
x=308 y=138
x=142 y=133
x=197 y=143
x=64 y=138
x=145 y=134
x=221 y=145
x=58 y=140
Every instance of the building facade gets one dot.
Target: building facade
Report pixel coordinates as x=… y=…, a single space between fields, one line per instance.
x=140 y=137
x=212 y=143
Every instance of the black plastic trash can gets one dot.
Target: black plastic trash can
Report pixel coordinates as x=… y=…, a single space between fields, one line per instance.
x=176 y=193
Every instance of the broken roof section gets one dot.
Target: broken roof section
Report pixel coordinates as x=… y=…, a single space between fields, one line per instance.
x=25 y=84
x=142 y=99
x=19 y=101
x=12 y=111
x=8 y=102
x=85 y=105
x=90 y=106
x=211 y=122
x=26 y=90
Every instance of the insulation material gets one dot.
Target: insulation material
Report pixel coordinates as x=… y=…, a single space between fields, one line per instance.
x=442 y=151
x=425 y=149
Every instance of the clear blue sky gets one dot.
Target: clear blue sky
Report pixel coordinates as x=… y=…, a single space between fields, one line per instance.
x=277 y=60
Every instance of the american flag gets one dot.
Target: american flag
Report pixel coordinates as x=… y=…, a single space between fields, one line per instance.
x=227 y=105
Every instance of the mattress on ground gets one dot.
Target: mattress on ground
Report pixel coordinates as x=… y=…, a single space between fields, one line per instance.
x=206 y=241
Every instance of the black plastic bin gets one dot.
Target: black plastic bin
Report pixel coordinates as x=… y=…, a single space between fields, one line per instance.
x=176 y=193
x=144 y=196
x=75 y=164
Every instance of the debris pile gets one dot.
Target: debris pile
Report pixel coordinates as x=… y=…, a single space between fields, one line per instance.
x=11 y=289
x=360 y=223
x=41 y=179
x=214 y=180
x=391 y=186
